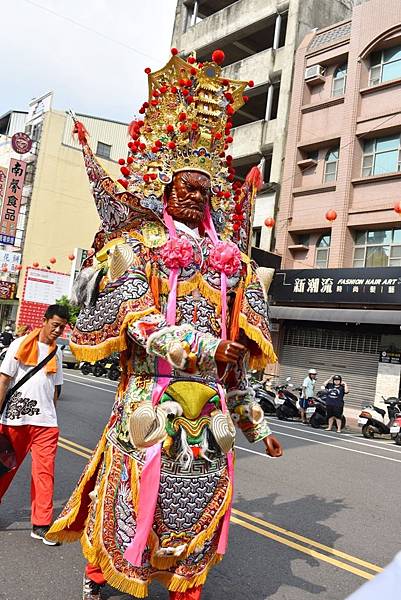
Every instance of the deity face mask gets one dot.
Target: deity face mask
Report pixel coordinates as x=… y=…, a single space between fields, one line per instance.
x=188 y=196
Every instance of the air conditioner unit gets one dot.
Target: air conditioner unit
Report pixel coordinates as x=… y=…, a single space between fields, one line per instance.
x=314 y=72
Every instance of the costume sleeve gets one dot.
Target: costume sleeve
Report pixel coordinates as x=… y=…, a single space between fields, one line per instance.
x=125 y=309
x=245 y=411
x=254 y=322
x=183 y=347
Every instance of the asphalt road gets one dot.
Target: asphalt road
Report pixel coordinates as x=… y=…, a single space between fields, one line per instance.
x=316 y=523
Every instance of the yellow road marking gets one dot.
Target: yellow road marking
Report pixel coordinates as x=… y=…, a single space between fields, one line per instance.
x=74 y=450
x=308 y=541
x=70 y=443
x=87 y=453
x=303 y=549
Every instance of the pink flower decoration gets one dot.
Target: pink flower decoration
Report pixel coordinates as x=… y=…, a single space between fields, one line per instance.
x=177 y=253
x=225 y=257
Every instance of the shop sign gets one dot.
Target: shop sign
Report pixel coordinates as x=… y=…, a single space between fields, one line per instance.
x=12 y=201
x=10 y=260
x=21 y=143
x=375 y=285
x=3 y=178
x=7 y=290
x=387 y=356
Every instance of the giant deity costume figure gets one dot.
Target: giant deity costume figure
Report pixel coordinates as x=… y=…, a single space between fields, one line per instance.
x=171 y=287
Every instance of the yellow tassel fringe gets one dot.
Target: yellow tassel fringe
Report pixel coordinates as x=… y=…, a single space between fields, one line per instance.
x=254 y=334
x=116 y=344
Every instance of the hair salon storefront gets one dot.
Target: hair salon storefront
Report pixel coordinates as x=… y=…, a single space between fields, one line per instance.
x=345 y=321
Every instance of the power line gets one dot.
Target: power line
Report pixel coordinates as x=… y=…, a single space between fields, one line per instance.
x=87 y=28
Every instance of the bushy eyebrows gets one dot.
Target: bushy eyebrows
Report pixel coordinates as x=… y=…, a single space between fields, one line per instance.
x=198 y=180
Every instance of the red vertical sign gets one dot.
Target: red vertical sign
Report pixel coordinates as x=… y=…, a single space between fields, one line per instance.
x=3 y=178
x=12 y=201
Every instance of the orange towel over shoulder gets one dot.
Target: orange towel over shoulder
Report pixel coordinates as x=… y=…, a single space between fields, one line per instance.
x=28 y=352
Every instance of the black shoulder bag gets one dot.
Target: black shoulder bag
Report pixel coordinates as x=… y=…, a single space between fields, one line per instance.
x=8 y=459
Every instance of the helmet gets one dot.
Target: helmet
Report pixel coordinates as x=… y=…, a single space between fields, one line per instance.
x=337 y=377
x=7 y=328
x=312 y=372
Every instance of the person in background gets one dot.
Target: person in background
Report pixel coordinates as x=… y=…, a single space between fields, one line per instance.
x=29 y=419
x=337 y=388
x=6 y=337
x=308 y=391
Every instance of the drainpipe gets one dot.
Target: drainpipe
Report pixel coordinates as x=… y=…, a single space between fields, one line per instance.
x=277 y=31
x=269 y=101
x=195 y=13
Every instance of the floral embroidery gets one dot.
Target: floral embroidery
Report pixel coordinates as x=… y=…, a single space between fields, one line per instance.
x=19 y=407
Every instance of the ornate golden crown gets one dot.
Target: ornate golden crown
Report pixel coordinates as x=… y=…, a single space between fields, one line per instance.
x=186 y=126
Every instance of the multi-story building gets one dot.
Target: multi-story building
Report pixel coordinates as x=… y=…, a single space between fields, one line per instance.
x=259 y=38
x=338 y=298
x=57 y=213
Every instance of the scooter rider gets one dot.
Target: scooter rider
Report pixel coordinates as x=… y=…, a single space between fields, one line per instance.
x=308 y=391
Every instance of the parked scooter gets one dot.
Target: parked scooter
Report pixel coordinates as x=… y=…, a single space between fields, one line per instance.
x=316 y=411
x=265 y=396
x=287 y=402
x=375 y=420
x=86 y=368
x=113 y=367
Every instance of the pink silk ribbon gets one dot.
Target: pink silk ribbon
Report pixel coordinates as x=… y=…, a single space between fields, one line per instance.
x=150 y=475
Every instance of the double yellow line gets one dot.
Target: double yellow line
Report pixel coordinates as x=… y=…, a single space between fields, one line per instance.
x=293 y=540
x=305 y=545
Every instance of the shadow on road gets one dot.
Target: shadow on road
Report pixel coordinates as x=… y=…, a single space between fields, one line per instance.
x=256 y=568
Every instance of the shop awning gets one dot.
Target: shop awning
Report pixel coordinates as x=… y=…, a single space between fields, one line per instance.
x=340 y=315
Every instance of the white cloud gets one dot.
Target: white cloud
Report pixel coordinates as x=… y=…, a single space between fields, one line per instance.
x=89 y=73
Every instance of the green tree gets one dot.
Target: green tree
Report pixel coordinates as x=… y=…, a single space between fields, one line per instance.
x=72 y=308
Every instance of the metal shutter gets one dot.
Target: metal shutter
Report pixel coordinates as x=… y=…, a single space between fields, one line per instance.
x=353 y=356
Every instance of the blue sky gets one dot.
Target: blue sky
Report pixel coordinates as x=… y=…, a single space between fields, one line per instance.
x=90 y=53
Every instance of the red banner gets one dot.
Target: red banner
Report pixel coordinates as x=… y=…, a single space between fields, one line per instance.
x=12 y=201
x=3 y=178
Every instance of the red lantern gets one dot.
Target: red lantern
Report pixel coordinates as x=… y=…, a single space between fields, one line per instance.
x=331 y=215
x=4 y=269
x=52 y=260
x=35 y=264
x=270 y=222
x=397 y=207
x=18 y=268
x=71 y=257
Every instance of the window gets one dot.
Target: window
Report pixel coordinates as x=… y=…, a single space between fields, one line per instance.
x=385 y=65
x=323 y=251
x=330 y=165
x=256 y=236
x=339 y=81
x=379 y=248
x=103 y=150
x=303 y=239
x=382 y=155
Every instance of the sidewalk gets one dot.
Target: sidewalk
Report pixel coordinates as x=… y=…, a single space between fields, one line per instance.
x=352 y=414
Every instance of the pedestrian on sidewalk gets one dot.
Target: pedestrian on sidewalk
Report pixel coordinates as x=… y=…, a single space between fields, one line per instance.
x=29 y=419
x=336 y=388
x=308 y=391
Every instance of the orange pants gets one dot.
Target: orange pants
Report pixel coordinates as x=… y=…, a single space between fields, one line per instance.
x=96 y=575
x=42 y=443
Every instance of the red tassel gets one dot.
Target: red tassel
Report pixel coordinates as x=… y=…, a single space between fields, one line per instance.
x=255 y=178
x=133 y=128
x=81 y=132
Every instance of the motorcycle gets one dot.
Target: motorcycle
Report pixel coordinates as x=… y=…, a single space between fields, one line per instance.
x=316 y=411
x=287 y=402
x=114 y=368
x=382 y=421
x=86 y=368
x=265 y=397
